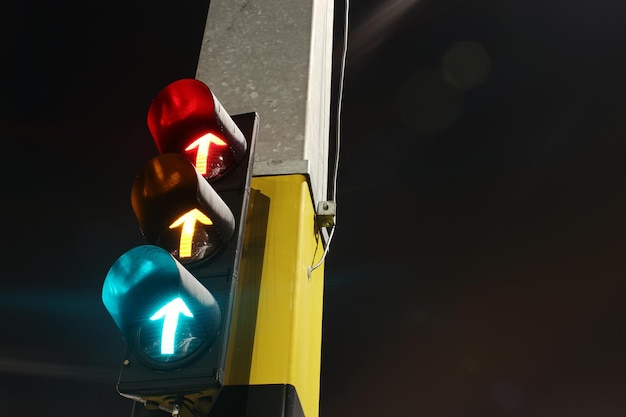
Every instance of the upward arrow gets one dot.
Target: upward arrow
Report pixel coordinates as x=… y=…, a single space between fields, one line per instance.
x=188 y=220
x=203 y=144
x=169 y=313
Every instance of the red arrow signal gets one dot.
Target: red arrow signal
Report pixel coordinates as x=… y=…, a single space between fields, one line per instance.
x=203 y=146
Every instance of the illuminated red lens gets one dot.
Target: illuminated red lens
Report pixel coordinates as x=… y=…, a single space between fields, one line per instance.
x=210 y=154
x=183 y=120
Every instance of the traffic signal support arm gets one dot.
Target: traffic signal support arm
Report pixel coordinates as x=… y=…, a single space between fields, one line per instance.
x=275 y=341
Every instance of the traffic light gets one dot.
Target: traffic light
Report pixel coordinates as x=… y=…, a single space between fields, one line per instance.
x=186 y=118
x=172 y=298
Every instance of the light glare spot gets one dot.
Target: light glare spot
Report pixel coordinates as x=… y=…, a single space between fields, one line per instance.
x=466 y=65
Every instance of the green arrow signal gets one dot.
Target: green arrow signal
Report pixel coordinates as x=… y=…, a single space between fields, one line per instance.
x=170 y=313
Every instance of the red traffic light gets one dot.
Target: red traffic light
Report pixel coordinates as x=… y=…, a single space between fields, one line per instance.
x=186 y=118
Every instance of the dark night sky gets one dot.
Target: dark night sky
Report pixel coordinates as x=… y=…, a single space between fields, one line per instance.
x=477 y=268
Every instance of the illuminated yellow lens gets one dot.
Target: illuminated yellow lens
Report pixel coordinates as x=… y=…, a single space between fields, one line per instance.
x=188 y=221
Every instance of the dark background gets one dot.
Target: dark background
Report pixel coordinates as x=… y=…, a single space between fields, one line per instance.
x=477 y=268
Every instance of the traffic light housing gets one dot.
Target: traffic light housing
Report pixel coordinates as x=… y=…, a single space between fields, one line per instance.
x=172 y=298
x=186 y=118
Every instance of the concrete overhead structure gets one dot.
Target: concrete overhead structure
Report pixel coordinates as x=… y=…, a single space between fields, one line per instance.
x=274 y=57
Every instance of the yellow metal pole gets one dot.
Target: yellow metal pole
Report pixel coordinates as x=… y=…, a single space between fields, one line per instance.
x=277 y=324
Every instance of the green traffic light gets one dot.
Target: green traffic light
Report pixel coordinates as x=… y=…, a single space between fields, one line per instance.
x=163 y=311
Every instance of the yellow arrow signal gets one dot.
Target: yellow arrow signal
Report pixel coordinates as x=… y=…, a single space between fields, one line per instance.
x=203 y=144
x=188 y=220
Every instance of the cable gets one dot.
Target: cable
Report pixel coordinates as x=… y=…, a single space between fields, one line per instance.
x=342 y=72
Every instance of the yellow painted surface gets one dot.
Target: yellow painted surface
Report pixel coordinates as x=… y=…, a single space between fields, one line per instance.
x=277 y=323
